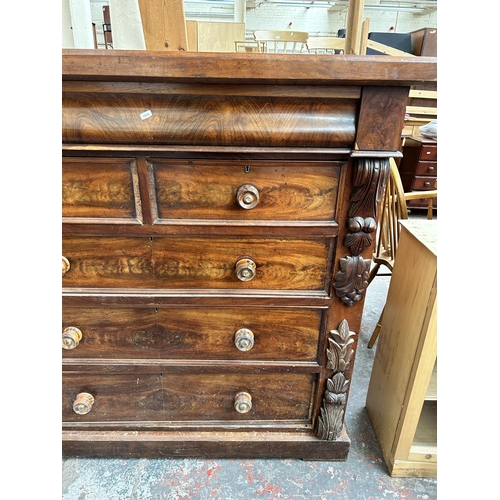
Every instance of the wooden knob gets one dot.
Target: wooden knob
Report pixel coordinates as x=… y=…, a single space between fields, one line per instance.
x=65 y=265
x=83 y=403
x=246 y=269
x=248 y=196
x=243 y=402
x=243 y=339
x=71 y=337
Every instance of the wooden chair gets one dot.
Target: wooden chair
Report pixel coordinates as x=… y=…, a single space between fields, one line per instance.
x=325 y=45
x=393 y=208
x=282 y=42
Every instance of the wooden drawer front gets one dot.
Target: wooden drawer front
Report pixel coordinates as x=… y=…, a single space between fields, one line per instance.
x=188 y=397
x=209 y=190
x=203 y=333
x=426 y=168
x=422 y=183
x=101 y=189
x=428 y=152
x=288 y=264
x=215 y=120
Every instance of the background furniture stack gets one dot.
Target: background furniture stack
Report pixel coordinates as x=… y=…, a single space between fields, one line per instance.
x=282 y=41
x=418 y=169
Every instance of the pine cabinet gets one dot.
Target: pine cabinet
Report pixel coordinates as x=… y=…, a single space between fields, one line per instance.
x=402 y=394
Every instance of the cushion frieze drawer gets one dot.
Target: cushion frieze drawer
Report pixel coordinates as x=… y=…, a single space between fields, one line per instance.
x=181 y=333
x=244 y=190
x=214 y=120
x=100 y=190
x=202 y=263
x=186 y=397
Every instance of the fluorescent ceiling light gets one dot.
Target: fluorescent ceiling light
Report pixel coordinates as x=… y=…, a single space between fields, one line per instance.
x=391 y=8
x=307 y=5
x=427 y=3
x=209 y=14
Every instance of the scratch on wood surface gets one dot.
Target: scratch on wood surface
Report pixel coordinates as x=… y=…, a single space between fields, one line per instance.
x=262 y=109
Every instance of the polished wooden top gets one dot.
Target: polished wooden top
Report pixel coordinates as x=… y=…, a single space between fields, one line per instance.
x=223 y=67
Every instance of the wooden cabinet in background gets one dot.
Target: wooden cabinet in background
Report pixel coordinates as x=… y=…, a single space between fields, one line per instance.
x=402 y=394
x=418 y=168
x=204 y=36
x=424 y=42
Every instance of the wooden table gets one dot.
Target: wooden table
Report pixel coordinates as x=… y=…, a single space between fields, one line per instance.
x=402 y=396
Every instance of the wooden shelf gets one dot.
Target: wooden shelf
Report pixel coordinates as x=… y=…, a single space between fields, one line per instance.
x=426 y=433
x=431 y=394
x=423 y=451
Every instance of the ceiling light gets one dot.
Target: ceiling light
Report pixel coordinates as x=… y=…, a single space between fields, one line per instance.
x=307 y=5
x=393 y=8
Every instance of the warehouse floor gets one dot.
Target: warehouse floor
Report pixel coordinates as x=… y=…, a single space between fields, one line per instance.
x=363 y=476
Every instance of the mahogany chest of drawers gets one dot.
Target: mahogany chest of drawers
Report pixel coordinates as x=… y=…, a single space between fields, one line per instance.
x=418 y=168
x=218 y=221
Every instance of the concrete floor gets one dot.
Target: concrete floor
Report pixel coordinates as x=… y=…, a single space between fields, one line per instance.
x=363 y=476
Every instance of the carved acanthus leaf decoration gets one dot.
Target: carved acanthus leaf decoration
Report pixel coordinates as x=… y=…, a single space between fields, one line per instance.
x=369 y=184
x=352 y=279
x=360 y=236
x=331 y=419
x=340 y=350
x=370 y=179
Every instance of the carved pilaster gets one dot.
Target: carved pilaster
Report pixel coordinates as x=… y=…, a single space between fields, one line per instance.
x=340 y=352
x=331 y=419
x=352 y=279
x=370 y=179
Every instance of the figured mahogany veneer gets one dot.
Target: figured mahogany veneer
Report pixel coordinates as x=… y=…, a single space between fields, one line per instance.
x=103 y=189
x=306 y=122
x=207 y=190
x=179 y=262
x=219 y=213
x=177 y=332
x=167 y=397
x=106 y=188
